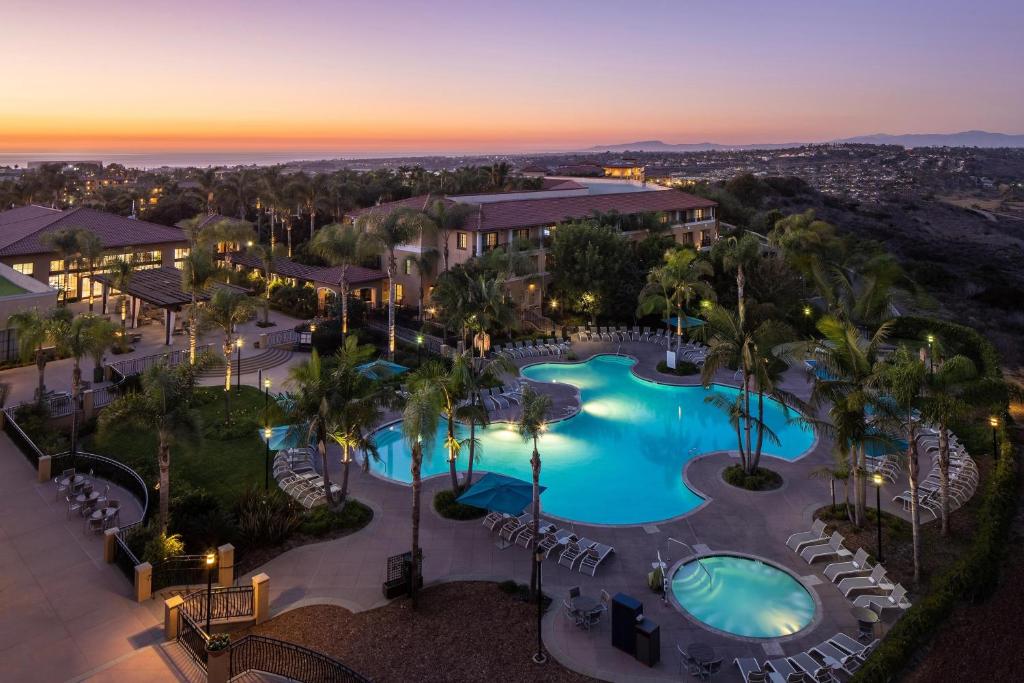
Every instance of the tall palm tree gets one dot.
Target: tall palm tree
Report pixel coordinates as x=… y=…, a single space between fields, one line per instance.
x=531 y=425
x=121 y=271
x=473 y=375
x=102 y=335
x=687 y=272
x=227 y=309
x=75 y=339
x=238 y=186
x=90 y=249
x=36 y=331
x=339 y=246
x=164 y=406
x=656 y=294
x=307 y=405
x=386 y=231
x=197 y=271
x=846 y=367
x=266 y=255
x=489 y=307
x=447 y=219
x=425 y=263
x=740 y=253
x=65 y=242
x=419 y=426
x=309 y=192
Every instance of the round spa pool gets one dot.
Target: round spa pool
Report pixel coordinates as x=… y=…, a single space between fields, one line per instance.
x=742 y=596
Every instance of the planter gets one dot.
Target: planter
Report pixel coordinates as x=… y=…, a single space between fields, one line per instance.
x=218 y=665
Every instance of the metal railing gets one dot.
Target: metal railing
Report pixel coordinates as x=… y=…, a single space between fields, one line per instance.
x=192 y=639
x=136 y=366
x=282 y=338
x=430 y=342
x=19 y=437
x=125 y=559
x=179 y=570
x=227 y=602
x=113 y=471
x=269 y=655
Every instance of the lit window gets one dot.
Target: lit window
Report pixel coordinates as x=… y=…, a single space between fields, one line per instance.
x=522 y=234
x=462 y=240
x=490 y=240
x=180 y=253
x=56 y=265
x=408 y=265
x=23 y=268
x=399 y=293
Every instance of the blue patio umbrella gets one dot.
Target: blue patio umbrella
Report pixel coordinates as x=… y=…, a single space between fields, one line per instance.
x=283 y=436
x=689 y=322
x=499 y=493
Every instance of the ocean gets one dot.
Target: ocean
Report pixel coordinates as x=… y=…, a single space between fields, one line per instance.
x=195 y=159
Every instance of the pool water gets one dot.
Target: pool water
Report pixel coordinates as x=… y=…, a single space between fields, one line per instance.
x=742 y=596
x=618 y=461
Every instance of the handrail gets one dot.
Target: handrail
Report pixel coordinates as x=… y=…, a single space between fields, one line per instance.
x=281 y=658
x=143 y=498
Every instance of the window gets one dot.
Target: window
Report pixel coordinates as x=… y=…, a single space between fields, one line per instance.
x=23 y=268
x=180 y=253
x=462 y=240
x=490 y=240
x=521 y=234
x=409 y=265
x=399 y=293
x=56 y=265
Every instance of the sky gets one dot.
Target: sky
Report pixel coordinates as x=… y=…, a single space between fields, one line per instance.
x=481 y=76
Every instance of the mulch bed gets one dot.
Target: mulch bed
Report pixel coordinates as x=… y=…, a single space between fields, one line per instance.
x=466 y=631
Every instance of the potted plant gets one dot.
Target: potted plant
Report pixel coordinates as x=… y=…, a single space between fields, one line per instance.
x=218 y=663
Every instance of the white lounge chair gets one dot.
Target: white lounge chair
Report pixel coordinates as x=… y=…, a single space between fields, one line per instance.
x=874 y=581
x=797 y=541
x=593 y=557
x=573 y=551
x=750 y=670
x=859 y=564
x=836 y=658
x=853 y=646
x=812 y=667
x=834 y=548
x=494 y=519
x=552 y=541
x=879 y=603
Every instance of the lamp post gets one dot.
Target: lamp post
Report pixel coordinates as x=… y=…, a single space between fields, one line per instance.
x=877 y=480
x=267 y=433
x=238 y=364
x=211 y=560
x=419 y=345
x=539 y=657
x=994 y=422
x=931 y=354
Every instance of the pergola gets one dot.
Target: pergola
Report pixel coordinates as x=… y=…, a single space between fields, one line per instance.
x=158 y=287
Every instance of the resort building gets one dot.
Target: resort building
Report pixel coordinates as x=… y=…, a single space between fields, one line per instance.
x=23 y=245
x=19 y=293
x=629 y=169
x=527 y=219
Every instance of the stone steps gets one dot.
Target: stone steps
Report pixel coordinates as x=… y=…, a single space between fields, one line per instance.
x=263 y=361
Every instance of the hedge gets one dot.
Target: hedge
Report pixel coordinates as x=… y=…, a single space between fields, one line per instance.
x=974 y=344
x=973 y=577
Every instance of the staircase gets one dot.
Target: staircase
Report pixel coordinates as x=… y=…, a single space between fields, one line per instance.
x=270 y=358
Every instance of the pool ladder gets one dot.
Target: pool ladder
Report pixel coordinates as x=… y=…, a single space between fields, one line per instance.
x=666 y=582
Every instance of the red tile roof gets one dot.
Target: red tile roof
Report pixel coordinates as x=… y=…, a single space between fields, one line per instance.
x=332 y=276
x=21 y=229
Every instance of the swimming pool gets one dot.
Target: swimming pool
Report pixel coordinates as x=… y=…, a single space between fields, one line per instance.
x=618 y=461
x=742 y=596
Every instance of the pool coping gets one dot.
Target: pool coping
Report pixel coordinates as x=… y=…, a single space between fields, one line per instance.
x=812 y=624
x=705 y=499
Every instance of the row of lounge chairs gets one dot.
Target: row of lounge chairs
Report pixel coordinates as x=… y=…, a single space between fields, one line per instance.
x=580 y=554
x=503 y=396
x=853 y=576
x=691 y=351
x=963 y=477
x=819 y=664
x=536 y=347
x=296 y=476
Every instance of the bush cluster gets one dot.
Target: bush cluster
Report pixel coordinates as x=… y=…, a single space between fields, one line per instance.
x=321 y=521
x=761 y=479
x=447 y=507
x=967 y=340
x=298 y=302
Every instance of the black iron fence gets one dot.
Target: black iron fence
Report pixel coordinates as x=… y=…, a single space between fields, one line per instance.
x=136 y=366
x=259 y=653
x=192 y=639
x=180 y=570
x=225 y=603
x=282 y=338
x=19 y=437
x=125 y=559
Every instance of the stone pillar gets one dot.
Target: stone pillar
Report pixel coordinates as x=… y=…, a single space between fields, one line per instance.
x=172 y=606
x=44 y=472
x=226 y=564
x=260 y=598
x=218 y=666
x=143 y=581
x=88 y=404
x=262 y=343
x=110 y=544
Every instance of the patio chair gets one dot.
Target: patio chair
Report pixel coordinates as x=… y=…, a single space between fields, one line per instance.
x=657 y=337
x=593 y=557
x=94 y=525
x=551 y=541
x=836 y=658
x=857 y=565
x=686 y=662
x=709 y=669
x=874 y=581
x=834 y=548
x=750 y=670
x=525 y=536
x=645 y=334
x=512 y=527
x=493 y=519
x=879 y=603
x=573 y=551
x=782 y=670
x=73 y=505
x=572 y=613
x=852 y=646
x=797 y=541
x=811 y=667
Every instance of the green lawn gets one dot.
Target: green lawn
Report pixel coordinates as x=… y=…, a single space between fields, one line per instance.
x=7 y=288
x=224 y=462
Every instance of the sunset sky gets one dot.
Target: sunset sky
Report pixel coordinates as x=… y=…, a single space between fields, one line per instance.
x=333 y=75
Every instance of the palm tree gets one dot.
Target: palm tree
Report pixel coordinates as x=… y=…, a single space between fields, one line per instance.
x=387 y=230
x=227 y=309
x=266 y=255
x=424 y=262
x=163 y=405
x=102 y=335
x=309 y=192
x=120 y=273
x=740 y=253
x=356 y=402
x=839 y=471
x=197 y=271
x=656 y=294
x=473 y=375
x=339 y=246
x=489 y=307
x=419 y=425
x=65 y=243
x=531 y=424
x=75 y=339
x=35 y=332
x=90 y=248
x=447 y=219
x=238 y=186
x=686 y=271
x=847 y=363
x=307 y=405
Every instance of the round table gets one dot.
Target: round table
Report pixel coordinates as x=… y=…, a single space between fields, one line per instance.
x=82 y=498
x=585 y=604
x=105 y=512
x=866 y=620
x=72 y=481
x=701 y=653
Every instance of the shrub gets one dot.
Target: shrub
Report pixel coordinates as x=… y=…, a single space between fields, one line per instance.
x=761 y=479
x=201 y=520
x=683 y=368
x=298 y=302
x=963 y=339
x=449 y=508
x=266 y=519
x=322 y=520
x=161 y=546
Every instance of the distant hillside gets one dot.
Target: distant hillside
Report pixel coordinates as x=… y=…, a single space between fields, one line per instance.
x=970 y=138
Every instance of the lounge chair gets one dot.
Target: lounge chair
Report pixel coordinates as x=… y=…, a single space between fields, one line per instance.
x=494 y=519
x=750 y=670
x=593 y=557
x=834 y=548
x=812 y=667
x=874 y=581
x=836 y=658
x=859 y=564
x=880 y=603
x=635 y=334
x=525 y=536
x=781 y=671
x=646 y=334
x=573 y=551
x=852 y=646
x=551 y=541
x=797 y=541
x=511 y=528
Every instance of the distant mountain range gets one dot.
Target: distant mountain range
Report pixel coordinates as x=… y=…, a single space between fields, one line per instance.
x=969 y=138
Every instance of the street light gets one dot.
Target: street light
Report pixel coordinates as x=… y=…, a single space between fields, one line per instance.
x=931 y=354
x=877 y=481
x=267 y=433
x=994 y=421
x=419 y=345
x=238 y=367
x=266 y=394
x=808 y=311
x=539 y=657
x=211 y=560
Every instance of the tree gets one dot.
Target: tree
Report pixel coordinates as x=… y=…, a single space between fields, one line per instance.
x=266 y=255
x=65 y=242
x=90 y=249
x=307 y=406
x=839 y=471
x=163 y=405
x=102 y=335
x=531 y=425
x=473 y=375
x=197 y=271
x=739 y=253
x=656 y=295
x=387 y=230
x=419 y=424
x=686 y=271
x=227 y=309
x=424 y=262
x=488 y=306
x=450 y=392
x=339 y=246
x=447 y=218
x=120 y=273
x=310 y=193
x=36 y=331
x=588 y=258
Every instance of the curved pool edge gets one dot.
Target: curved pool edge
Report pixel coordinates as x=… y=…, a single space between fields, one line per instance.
x=811 y=625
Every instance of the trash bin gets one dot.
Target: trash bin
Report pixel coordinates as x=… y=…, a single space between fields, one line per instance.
x=625 y=610
x=648 y=642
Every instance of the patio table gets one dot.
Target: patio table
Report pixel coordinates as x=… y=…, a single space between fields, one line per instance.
x=586 y=604
x=82 y=498
x=701 y=653
x=105 y=512
x=73 y=481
